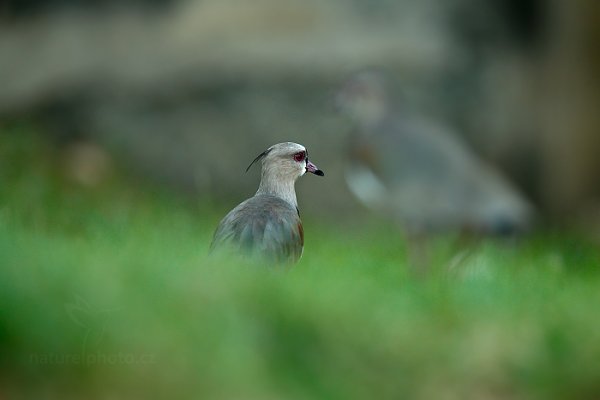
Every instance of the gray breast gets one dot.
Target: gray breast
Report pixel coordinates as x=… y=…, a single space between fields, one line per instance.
x=264 y=226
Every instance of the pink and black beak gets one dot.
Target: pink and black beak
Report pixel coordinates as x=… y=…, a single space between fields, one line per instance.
x=312 y=168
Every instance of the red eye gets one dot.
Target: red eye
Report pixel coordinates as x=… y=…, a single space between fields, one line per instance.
x=300 y=156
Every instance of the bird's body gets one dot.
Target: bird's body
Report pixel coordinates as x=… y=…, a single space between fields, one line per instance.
x=421 y=173
x=264 y=226
x=268 y=225
x=430 y=181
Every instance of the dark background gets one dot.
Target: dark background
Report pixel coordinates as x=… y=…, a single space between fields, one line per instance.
x=186 y=93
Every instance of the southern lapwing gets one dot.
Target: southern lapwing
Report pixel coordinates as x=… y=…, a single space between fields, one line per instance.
x=268 y=225
x=418 y=171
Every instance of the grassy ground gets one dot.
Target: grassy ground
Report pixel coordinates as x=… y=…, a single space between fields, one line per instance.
x=107 y=292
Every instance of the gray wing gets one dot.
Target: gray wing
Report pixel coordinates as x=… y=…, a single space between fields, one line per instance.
x=263 y=226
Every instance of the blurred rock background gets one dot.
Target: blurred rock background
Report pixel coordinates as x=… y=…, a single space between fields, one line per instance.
x=186 y=93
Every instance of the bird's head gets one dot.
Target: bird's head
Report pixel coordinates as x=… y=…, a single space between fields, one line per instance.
x=363 y=97
x=286 y=161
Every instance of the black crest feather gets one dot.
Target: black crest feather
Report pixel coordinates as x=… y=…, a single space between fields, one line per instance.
x=259 y=157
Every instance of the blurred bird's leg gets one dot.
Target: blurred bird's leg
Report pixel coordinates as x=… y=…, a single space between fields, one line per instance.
x=418 y=251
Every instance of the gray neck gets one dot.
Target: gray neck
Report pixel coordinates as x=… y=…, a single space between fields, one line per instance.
x=274 y=184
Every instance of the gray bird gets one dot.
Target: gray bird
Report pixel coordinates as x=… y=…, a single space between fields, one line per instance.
x=268 y=224
x=419 y=172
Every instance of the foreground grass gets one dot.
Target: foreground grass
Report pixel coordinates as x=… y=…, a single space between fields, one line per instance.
x=107 y=292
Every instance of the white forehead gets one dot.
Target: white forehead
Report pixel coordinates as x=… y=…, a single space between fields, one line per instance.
x=286 y=148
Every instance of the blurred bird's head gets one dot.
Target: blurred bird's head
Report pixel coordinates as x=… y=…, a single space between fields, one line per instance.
x=285 y=162
x=363 y=97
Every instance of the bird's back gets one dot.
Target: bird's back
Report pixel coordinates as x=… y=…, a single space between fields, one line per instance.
x=264 y=226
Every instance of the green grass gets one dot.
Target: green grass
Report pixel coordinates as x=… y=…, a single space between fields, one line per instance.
x=108 y=292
